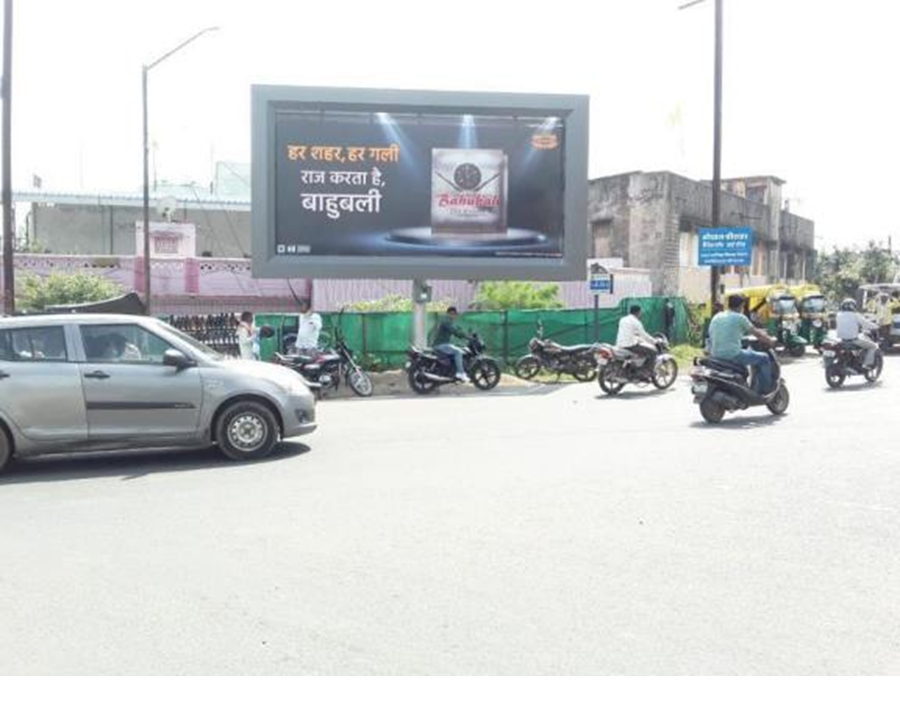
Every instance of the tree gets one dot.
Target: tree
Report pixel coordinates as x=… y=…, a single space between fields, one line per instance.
x=841 y=272
x=395 y=303
x=35 y=293
x=516 y=295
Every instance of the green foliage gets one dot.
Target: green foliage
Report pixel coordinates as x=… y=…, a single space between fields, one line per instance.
x=395 y=303
x=516 y=295
x=840 y=272
x=35 y=293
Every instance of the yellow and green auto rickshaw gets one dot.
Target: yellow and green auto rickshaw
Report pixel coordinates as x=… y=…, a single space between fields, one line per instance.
x=774 y=308
x=813 y=313
x=880 y=302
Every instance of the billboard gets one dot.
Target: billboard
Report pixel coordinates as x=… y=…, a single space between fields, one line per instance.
x=407 y=184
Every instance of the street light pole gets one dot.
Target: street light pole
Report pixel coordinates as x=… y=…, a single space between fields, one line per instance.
x=9 y=232
x=717 y=139
x=146 y=145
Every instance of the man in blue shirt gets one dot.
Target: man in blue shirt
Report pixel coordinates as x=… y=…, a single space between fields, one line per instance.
x=726 y=333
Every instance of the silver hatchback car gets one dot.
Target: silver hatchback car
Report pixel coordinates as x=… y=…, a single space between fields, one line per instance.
x=71 y=383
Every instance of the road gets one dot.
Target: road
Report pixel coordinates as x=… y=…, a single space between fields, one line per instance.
x=546 y=531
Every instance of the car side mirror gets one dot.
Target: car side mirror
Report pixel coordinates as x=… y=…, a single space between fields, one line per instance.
x=177 y=360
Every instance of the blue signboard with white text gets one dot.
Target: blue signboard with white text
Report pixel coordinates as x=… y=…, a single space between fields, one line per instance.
x=726 y=247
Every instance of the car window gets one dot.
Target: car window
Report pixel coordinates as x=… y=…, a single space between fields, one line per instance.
x=43 y=343
x=122 y=343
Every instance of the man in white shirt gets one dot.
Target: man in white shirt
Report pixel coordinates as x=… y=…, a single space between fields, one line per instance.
x=634 y=338
x=308 y=328
x=851 y=326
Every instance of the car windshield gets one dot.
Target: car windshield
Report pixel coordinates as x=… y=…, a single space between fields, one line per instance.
x=194 y=344
x=816 y=304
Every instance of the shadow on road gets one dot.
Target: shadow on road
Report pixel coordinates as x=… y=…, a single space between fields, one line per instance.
x=132 y=465
x=864 y=386
x=741 y=422
x=650 y=393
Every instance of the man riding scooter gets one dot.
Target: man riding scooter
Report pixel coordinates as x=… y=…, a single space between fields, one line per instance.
x=851 y=326
x=726 y=333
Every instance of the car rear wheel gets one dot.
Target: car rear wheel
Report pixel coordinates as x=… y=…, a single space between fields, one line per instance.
x=246 y=430
x=5 y=448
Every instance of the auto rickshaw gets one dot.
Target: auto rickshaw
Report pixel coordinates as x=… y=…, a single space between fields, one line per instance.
x=871 y=298
x=813 y=314
x=774 y=308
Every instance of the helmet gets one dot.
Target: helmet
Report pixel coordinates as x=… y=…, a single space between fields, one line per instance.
x=848 y=304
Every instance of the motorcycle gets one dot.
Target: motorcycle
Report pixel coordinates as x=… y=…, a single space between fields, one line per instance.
x=719 y=386
x=618 y=367
x=324 y=370
x=555 y=358
x=844 y=358
x=427 y=369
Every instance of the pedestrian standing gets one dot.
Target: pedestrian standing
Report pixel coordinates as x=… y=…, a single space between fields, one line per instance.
x=247 y=337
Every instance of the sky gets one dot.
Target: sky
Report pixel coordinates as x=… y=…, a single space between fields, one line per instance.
x=810 y=86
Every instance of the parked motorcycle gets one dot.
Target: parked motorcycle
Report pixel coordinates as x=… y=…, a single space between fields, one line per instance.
x=618 y=367
x=722 y=386
x=325 y=369
x=547 y=355
x=427 y=369
x=844 y=358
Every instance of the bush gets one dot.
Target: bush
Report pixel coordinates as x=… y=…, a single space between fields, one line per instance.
x=395 y=303
x=35 y=293
x=516 y=295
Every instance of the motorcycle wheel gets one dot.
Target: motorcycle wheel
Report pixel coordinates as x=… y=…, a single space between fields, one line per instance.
x=780 y=401
x=360 y=382
x=797 y=351
x=585 y=370
x=711 y=412
x=610 y=387
x=873 y=374
x=417 y=381
x=665 y=373
x=835 y=377
x=485 y=374
x=527 y=367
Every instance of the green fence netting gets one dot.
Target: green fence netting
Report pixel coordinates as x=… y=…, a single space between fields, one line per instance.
x=382 y=339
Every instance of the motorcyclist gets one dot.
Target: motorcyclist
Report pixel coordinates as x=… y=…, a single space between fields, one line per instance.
x=633 y=337
x=446 y=331
x=726 y=333
x=851 y=326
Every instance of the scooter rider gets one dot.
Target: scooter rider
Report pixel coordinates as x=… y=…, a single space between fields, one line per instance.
x=446 y=331
x=851 y=326
x=726 y=333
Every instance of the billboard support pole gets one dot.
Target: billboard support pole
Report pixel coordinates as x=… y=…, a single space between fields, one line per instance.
x=420 y=292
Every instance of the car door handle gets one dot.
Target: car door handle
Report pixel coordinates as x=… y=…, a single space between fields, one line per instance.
x=97 y=375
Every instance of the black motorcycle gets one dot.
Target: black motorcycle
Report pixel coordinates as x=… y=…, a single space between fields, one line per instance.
x=719 y=386
x=549 y=356
x=844 y=358
x=619 y=366
x=427 y=369
x=324 y=370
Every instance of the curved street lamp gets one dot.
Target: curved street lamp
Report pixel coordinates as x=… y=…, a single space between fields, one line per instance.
x=144 y=71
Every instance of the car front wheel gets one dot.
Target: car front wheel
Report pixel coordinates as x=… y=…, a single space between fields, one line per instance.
x=246 y=430
x=5 y=449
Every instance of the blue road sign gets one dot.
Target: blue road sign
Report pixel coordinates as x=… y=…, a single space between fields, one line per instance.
x=726 y=247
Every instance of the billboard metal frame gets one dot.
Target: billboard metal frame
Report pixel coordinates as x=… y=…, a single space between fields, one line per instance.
x=267 y=100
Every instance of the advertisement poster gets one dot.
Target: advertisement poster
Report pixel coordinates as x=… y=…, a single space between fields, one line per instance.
x=362 y=183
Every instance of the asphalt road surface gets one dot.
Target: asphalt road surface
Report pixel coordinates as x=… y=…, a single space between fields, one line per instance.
x=546 y=531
